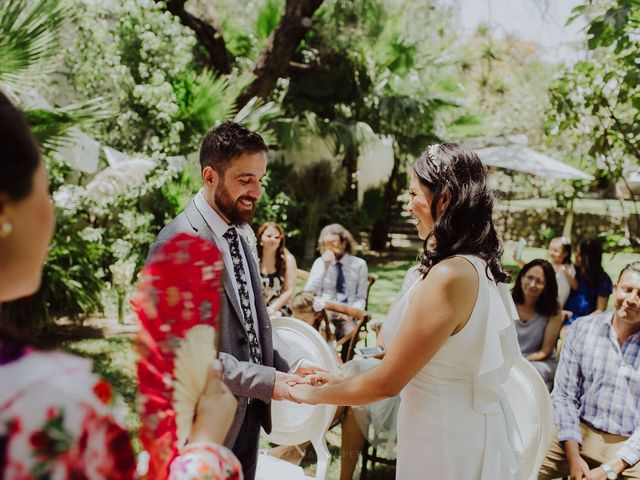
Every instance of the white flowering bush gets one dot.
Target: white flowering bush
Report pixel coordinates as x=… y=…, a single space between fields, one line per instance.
x=133 y=53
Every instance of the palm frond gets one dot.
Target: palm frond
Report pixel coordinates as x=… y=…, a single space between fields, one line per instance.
x=29 y=41
x=204 y=100
x=50 y=126
x=258 y=117
x=268 y=16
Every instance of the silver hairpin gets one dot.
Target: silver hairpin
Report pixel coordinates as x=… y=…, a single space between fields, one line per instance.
x=432 y=152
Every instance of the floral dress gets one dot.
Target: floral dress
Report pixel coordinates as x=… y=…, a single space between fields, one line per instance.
x=59 y=421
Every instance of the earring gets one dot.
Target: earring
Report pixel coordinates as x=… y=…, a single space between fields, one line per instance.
x=5 y=229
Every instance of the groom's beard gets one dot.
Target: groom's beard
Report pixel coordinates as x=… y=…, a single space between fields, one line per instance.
x=230 y=209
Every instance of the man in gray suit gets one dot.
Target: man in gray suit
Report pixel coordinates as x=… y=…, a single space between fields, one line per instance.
x=257 y=367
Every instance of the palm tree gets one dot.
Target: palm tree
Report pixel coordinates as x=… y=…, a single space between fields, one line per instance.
x=30 y=33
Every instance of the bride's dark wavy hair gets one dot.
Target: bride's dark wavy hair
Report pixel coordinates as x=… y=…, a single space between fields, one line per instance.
x=466 y=224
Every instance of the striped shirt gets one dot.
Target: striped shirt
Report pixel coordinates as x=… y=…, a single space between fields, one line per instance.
x=598 y=382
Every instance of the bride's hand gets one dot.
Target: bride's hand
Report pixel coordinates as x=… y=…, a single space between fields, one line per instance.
x=321 y=378
x=303 y=393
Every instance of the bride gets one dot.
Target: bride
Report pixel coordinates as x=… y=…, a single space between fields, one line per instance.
x=450 y=337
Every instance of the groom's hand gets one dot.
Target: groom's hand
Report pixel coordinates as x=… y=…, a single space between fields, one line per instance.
x=281 y=387
x=308 y=368
x=303 y=394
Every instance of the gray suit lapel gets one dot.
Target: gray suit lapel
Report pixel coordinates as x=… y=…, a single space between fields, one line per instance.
x=201 y=226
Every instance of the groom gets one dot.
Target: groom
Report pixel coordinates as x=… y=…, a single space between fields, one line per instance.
x=256 y=365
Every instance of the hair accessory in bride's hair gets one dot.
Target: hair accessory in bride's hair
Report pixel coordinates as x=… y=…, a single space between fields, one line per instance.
x=432 y=153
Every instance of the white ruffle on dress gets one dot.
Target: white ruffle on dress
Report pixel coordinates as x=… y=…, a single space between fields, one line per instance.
x=455 y=421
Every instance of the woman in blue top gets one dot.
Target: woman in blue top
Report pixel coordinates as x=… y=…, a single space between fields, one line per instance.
x=594 y=285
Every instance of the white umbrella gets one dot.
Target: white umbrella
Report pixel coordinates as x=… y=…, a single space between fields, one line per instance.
x=527 y=160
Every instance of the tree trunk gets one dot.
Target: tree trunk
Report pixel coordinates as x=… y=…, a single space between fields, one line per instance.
x=350 y=164
x=568 y=220
x=207 y=32
x=279 y=48
x=310 y=229
x=381 y=227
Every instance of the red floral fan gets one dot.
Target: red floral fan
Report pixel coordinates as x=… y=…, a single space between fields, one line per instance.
x=177 y=303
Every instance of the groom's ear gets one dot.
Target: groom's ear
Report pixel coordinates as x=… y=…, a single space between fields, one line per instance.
x=210 y=177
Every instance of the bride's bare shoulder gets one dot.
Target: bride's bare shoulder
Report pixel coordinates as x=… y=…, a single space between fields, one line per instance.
x=453 y=269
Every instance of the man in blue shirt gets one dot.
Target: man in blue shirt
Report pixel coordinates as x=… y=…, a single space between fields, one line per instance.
x=596 y=393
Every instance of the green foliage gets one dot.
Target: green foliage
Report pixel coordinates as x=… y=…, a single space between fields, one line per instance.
x=50 y=127
x=595 y=103
x=546 y=233
x=202 y=100
x=268 y=17
x=505 y=84
x=140 y=57
x=72 y=279
x=29 y=41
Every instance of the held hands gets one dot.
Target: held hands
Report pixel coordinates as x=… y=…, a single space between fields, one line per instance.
x=307 y=368
x=308 y=391
x=579 y=470
x=307 y=374
x=283 y=382
x=597 y=474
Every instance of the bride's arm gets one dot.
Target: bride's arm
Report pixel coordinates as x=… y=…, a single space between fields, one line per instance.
x=440 y=306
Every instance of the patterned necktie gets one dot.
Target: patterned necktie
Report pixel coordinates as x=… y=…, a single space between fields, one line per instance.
x=340 y=282
x=245 y=303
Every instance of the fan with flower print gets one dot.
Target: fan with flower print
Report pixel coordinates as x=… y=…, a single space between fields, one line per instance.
x=177 y=304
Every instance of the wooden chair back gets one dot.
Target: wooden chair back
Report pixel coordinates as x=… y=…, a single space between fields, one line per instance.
x=361 y=317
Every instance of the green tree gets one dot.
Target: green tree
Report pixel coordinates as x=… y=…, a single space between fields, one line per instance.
x=596 y=102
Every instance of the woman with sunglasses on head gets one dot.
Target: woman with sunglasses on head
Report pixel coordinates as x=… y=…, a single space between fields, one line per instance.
x=539 y=316
x=56 y=417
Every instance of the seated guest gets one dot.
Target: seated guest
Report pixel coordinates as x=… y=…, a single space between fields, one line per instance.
x=539 y=316
x=309 y=308
x=560 y=257
x=593 y=285
x=56 y=417
x=277 y=269
x=339 y=276
x=596 y=394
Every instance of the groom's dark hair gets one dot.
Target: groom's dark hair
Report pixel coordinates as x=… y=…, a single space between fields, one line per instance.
x=226 y=142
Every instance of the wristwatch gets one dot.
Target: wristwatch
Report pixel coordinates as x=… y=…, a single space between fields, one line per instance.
x=611 y=475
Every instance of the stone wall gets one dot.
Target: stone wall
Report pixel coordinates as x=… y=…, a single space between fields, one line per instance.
x=530 y=224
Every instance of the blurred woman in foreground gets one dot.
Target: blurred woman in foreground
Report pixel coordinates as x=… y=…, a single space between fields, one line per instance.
x=57 y=417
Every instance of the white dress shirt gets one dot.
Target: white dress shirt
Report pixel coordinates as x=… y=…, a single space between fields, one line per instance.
x=323 y=281
x=219 y=227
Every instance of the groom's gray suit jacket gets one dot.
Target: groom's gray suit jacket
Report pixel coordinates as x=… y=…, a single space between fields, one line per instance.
x=246 y=380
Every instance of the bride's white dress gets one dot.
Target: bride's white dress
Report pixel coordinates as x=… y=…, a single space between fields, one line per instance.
x=454 y=421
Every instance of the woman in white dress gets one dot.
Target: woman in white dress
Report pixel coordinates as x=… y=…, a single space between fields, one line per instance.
x=450 y=338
